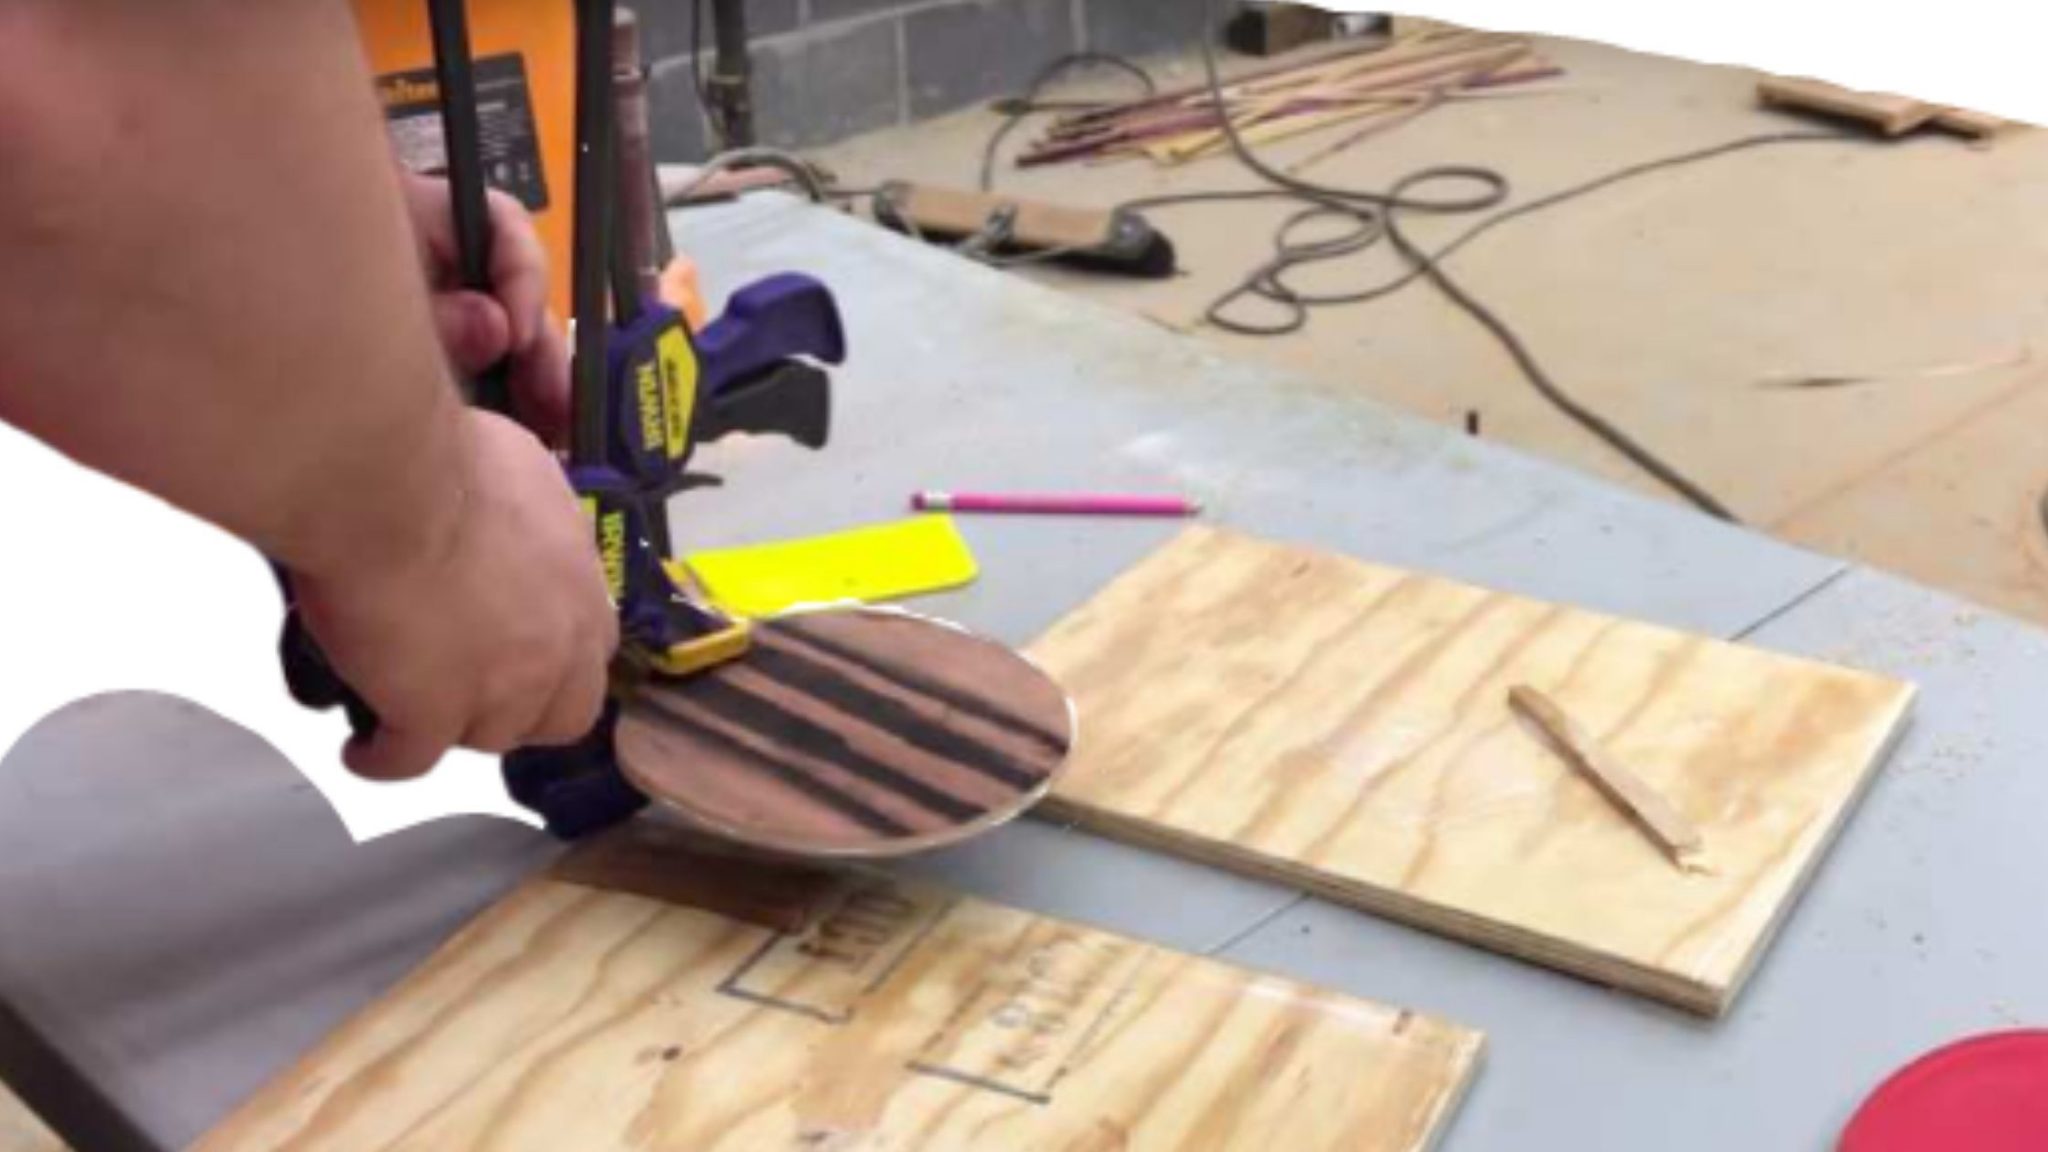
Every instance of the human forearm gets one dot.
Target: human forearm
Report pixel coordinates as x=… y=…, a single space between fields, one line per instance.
x=209 y=287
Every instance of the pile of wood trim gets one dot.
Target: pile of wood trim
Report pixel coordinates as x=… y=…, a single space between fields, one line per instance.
x=1382 y=85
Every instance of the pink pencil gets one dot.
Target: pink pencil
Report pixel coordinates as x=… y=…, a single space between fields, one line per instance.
x=1055 y=504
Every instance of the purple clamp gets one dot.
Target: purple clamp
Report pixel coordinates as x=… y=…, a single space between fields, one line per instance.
x=764 y=323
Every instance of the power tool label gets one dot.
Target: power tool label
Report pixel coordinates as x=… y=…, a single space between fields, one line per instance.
x=679 y=374
x=507 y=136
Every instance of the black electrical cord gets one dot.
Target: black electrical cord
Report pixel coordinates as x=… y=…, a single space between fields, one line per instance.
x=1369 y=216
x=697 y=88
x=1375 y=219
x=1269 y=283
x=1376 y=213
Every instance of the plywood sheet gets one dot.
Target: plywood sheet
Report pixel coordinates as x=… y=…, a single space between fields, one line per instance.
x=1345 y=727
x=20 y=1131
x=901 y=1017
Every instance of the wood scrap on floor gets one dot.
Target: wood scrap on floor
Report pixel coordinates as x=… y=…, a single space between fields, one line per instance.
x=1011 y=228
x=1890 y=114
x=903 y=1016
x=1807 y=380
x=1337 y=726
x=1392 y=82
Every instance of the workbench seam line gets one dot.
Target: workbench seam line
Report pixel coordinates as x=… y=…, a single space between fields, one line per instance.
x=1842 y=569
x=1257 y=923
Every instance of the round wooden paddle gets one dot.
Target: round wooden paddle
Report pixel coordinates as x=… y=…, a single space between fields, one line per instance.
x=858 y=732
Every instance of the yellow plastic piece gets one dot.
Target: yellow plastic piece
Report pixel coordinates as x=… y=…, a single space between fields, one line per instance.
x=705 y=651
x=678 y=366
x=879 y=562
x=680 y=291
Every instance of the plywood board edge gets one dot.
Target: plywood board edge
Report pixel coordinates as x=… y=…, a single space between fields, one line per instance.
x=1708 y=992
x=1460 y=1052
x=1472 y=1040
x=1901 y=720
x=1471 y=1059
x=1692 y=995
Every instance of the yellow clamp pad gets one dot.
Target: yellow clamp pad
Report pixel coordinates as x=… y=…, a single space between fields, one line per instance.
x=704 y=652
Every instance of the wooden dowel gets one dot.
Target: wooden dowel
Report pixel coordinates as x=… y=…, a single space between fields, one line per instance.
x=1444 y=73
x=1666 y=827
x=1201 y=87
x=1263 y=81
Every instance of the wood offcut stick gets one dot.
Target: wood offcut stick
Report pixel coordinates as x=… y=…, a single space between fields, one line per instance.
x=1268 y=129
x=1665 y=826
x=1889 y=114
x=1965 y=122
x=1198 y=100
x=1400 y=48
x=1366 y=67
x=1385 y=121
x=1396 y=86
x=1492 y=85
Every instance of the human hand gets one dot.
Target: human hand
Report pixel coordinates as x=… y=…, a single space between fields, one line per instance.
x=477 y=329
x=495 y=638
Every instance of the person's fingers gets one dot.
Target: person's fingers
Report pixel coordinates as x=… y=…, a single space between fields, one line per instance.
x=541 y=385
x=502 y=730
x=574 y=709
x=519 y=268
x=394 y=754
x=520 y=715
x=433 y=224
x=474 y=330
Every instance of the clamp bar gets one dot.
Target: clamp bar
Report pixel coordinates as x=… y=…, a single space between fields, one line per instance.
x=591 y=240
x=461 y=138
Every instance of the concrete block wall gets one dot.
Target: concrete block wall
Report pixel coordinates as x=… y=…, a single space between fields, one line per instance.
x=828 y=69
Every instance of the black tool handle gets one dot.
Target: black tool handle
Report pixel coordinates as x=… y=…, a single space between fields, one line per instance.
x=792 y=398
x=314 y=683
x=468 y=195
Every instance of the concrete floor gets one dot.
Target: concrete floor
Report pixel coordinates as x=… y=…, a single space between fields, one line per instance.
x=1665 y=302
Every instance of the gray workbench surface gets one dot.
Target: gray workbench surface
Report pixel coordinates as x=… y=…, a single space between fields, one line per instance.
x=175 y=943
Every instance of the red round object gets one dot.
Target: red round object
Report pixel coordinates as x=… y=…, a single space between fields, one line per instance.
x=1985 y=1094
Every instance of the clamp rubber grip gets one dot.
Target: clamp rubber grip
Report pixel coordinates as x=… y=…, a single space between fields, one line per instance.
x=770 y=320
x=789 y=397
x=308 y=675
x=577 y=789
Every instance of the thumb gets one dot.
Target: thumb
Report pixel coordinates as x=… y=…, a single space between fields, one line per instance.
x=393 y=754
x=474 y=330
